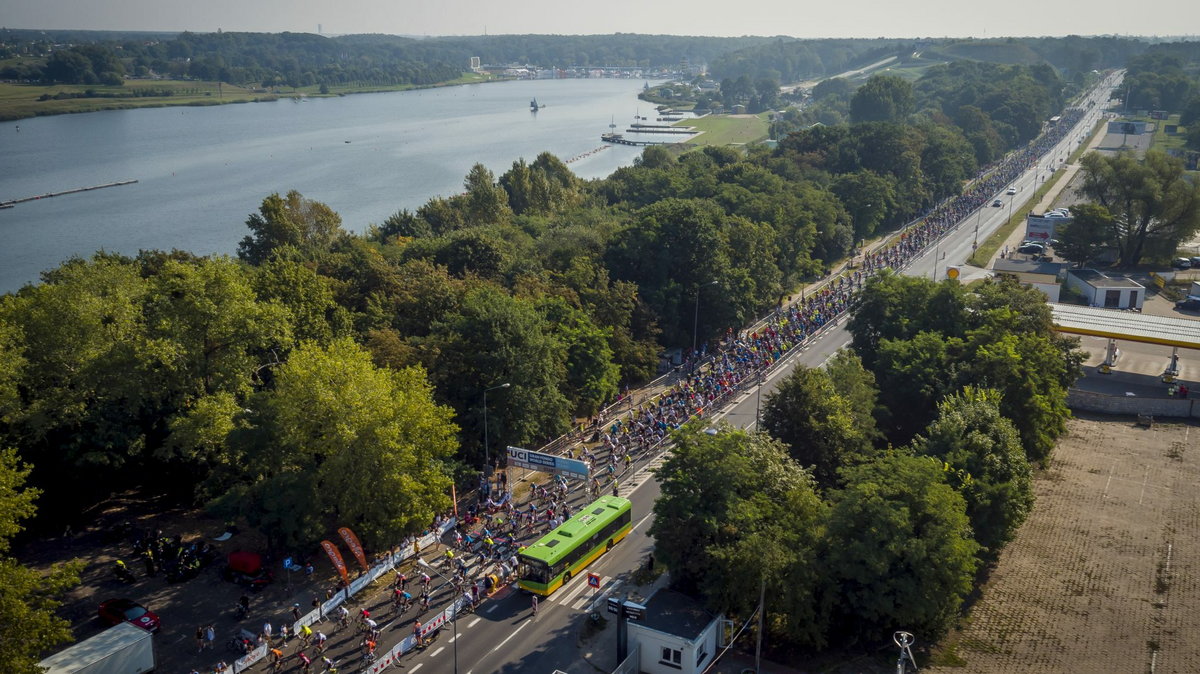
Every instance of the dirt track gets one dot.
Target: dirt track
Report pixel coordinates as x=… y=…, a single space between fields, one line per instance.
x=1103 y=576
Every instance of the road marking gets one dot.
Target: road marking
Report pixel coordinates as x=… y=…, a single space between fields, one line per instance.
x=454 y=638
x=490 y=609
x=472 y=624
x=523 y=626
x=433 y=654
x=642 y=521
x=417 y=666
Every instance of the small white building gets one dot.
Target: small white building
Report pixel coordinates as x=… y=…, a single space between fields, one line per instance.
x=1110 y=292
x=677 y=635
x=1040 y=275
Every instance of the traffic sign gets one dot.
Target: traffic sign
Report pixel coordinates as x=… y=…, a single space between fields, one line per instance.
x=593 y=580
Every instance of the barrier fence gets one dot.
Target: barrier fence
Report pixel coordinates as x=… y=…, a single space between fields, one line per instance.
x=385 y=565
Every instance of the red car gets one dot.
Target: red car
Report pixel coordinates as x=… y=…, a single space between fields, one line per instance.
x=116 y=611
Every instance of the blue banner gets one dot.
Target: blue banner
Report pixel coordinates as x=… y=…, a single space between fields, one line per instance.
x=547 y=463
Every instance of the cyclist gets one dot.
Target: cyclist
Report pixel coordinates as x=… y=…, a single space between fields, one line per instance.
x=426 y=580
x=343 y=617
x=305 y=634
x=401 y=580
x=328 y=664
x=319 y=641
x=276 y=660
x=425 y=602
x=303 y=657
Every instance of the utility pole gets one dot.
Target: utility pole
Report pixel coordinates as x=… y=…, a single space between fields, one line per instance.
x=762 y=598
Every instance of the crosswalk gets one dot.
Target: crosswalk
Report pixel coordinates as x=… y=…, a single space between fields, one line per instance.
x=578 y=595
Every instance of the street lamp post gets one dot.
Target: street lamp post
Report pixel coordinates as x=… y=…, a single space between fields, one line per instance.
x=454 y=617
x=487 y=452
x=696 y=318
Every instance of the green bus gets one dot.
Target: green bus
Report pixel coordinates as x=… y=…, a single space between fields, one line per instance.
x=556 y=557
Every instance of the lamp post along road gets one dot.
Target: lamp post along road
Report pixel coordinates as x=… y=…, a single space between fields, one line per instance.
x=487 y=452
x=454 y=616
x=696 y=318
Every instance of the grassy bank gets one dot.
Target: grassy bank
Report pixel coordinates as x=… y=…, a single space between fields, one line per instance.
x=728 y=129
x=21 y=101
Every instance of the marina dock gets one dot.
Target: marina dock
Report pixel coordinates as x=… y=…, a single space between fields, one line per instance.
x=622 y=140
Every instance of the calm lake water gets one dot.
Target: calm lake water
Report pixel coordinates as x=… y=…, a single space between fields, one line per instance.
x=202 y=171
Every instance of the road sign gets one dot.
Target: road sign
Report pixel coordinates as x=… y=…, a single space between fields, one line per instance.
x=547 y=463
x=614 y=605
x=593 y=580
x=634 y=611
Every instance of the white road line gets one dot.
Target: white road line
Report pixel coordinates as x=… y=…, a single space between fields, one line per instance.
x=489 y=609
x=417 y=666
x=523 y=626
x=642 y=521
x=570 y=594
x=472 y=624
x=454 y=638
x=437 y=651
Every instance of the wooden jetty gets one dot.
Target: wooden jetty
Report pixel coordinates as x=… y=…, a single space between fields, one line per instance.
x=13 y=202
x=621 y=140
x=661 y=128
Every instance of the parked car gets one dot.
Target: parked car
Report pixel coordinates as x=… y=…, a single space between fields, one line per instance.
x=1031 y=249
x=1182 y=263
x=1189 y=304
x=1011 y=190
x=1196 y=261
x=997 y=203
x=116 y=611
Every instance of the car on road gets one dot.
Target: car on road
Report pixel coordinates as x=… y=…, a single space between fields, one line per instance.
x=1011 y=190
x=1182 y=263
x=116 y=611
x=997 y=203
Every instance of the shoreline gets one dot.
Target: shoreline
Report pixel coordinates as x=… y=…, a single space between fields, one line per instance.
x=10 y=113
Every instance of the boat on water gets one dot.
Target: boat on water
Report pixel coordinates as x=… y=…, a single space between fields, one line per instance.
x=534 y=107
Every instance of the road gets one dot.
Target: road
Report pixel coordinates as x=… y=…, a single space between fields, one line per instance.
x=504 y=637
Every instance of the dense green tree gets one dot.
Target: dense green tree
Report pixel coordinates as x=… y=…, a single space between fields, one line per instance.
x=591 y=376
x=820 y=428
x=1154 y=206
x=306 y=225
x=983 y=451
x=751 y=515
x=857 y=386
x=490 y=339
x=899 y=549
x=868 y=197
x=884 y=98
x=1086 y=235
x=29 y=624
x=307 y=296
x=339 y=431
x=486 y=202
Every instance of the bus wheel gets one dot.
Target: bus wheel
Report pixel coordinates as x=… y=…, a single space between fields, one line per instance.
x=566 y=577
x=608 y=546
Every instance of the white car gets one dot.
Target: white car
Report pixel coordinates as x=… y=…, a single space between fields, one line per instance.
x=1011 y=190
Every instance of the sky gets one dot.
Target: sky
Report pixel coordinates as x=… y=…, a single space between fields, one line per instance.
x=796 y=18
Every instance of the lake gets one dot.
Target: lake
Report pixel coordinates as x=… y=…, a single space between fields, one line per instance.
x=202 y=170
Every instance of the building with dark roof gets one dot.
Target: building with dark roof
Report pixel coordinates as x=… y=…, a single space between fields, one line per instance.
x=676 y=635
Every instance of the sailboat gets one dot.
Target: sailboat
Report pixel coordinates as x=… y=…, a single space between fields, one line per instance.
x=534 y=107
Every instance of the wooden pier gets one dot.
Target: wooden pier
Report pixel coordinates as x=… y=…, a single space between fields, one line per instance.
x=621 y=140
x=13 y=202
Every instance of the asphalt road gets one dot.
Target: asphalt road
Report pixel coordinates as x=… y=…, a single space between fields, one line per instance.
x=503 y=635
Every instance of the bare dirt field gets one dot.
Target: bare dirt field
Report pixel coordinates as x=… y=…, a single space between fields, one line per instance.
x=1103 y=576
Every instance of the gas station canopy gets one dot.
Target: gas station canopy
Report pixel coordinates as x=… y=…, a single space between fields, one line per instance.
x=1126 y=325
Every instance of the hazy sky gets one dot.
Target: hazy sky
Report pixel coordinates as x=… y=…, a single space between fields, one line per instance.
x=799 y=18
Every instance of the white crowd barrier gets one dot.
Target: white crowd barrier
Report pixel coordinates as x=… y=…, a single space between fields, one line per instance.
x=357 y=585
